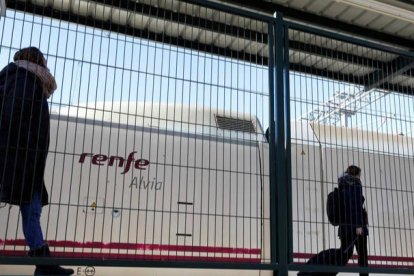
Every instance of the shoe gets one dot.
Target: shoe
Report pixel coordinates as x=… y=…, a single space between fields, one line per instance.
x=48 y=269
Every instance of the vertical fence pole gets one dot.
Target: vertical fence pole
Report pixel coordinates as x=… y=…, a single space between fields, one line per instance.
x=288 y=153
x=280 y=142
x=279 y=211
x=272 y=145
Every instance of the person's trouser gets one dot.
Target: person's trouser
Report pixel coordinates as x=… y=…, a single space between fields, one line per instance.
x=31 y=222
x=361 y=247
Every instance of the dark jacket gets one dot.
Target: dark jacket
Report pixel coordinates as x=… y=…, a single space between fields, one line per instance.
x=351 y=194
x=24 y=136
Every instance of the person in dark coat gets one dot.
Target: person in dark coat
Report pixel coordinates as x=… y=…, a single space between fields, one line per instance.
x=353 y=227
x=25 y=86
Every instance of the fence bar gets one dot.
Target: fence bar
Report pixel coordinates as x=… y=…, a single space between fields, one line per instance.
x=137 y=264
x=350 y=269
x=272 y=145
x=231 y=9
x=280 y=147
x=288 y=162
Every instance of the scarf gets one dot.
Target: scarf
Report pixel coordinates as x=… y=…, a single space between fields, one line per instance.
x=47 y=79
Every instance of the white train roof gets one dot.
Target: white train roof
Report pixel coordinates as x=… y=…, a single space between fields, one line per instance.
x=329 y=136
x=223 y=123
x=172 y=117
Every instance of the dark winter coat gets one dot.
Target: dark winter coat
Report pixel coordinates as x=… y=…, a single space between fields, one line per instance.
x=351 y=194
x=24 y=136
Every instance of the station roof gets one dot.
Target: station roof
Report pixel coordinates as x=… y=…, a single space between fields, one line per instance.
x=183 y=23
x=387 y=21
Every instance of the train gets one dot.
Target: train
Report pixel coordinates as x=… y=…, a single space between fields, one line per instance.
x=163 y=182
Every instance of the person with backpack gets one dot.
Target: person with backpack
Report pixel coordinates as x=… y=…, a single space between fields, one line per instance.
x=25 y=86
x=345 y=209
x=353 y=230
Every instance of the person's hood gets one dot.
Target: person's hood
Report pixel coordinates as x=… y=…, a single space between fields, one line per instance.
x=8 y=72
x=11 y=75
x=347 y=179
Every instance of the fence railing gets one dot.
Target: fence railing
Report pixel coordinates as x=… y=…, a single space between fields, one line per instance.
x=191 y=134
x=349 y=106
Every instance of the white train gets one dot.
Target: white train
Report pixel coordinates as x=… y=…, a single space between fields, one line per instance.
x=180 y=183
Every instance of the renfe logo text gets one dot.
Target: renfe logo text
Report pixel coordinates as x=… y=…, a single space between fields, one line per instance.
x=101 y=159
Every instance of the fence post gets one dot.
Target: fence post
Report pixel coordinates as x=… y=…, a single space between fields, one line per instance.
x=288 y=163
x=272 y=146
x=278 y=143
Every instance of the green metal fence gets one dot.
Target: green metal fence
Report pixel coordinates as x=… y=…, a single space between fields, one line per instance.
x=349 y=102
x=159 y=155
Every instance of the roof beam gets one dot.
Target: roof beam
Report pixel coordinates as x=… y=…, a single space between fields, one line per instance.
x=325 y=22
x=392 y=69
x=312 y=49
x=338 y=76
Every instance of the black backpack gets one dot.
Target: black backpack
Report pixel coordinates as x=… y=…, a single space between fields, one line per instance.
x=334 y=207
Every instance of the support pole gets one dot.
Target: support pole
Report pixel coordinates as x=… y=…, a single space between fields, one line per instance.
x=272 y=148
x=288 y=152
x=278 y=146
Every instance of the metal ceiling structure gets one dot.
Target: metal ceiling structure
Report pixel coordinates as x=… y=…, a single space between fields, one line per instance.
x=347 y=16
x=184 y=24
